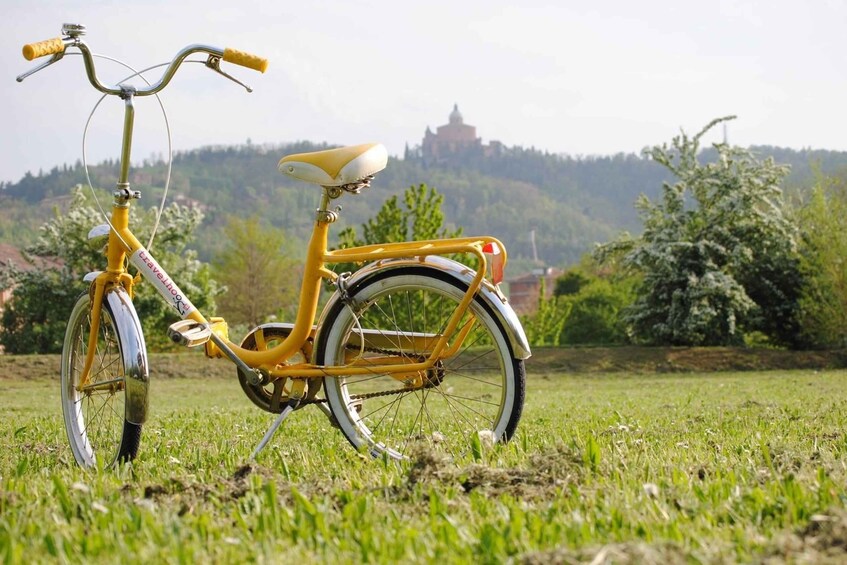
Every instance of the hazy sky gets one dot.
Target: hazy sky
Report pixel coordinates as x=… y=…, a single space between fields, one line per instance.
x=581 y=78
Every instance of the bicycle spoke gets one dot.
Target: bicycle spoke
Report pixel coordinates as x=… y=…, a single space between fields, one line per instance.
x=443 y=406
x=386 y=406
x=447 y=399
x=454 y=375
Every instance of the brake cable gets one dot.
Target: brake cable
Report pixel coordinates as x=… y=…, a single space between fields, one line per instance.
x=139 y=74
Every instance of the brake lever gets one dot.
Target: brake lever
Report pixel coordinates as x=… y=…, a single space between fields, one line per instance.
x=55 y=58
x=214 y=63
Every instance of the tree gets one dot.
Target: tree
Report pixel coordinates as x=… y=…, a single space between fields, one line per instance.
x=42 y=299
x=571 y=282
x=717 y=254
x=585 y=308
x=260 y=277
x=419 y=218
x=823 y=252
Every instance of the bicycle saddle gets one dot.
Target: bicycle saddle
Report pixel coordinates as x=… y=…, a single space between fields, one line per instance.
x=336 y=167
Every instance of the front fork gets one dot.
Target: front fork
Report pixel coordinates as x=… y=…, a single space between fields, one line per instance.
x=101 y=283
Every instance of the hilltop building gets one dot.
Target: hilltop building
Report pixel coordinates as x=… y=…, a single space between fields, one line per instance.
x=455 y=138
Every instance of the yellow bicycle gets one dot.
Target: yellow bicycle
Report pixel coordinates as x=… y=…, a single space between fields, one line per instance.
x=414 y=347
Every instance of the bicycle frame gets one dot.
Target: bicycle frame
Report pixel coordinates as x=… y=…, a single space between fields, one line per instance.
x=123 y=245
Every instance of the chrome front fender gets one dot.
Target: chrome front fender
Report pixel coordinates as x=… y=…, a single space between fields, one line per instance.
x=489 y=294
x=134 y=353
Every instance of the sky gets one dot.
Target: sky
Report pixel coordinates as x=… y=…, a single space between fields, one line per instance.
x=578 y=78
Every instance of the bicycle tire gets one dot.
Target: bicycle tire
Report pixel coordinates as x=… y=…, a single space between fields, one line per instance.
x=95 y=420
x=479 y=390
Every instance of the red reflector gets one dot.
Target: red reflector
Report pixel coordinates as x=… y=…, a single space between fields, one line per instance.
x=495 y=260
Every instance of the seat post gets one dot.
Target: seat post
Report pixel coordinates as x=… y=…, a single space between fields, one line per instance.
x=328 y=194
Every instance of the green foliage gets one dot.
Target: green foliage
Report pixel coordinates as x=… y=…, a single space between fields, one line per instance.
x=419 y=218
x=63 y=241
x=571 y=282
x=717 y=254
x=595 y=313
x=19 y=221
x=389 y=225
x=570 y=202
x=260 y=277
x=585 y=308
x=34 y=320
x=544 y=326
x=823 y=260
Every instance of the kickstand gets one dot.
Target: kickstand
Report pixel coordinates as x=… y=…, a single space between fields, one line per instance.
x=289 y=408
x=327 y=412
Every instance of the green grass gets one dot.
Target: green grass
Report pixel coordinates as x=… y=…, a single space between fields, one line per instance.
x=718 y=467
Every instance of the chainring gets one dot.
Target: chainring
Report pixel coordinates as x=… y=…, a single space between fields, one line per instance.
x=273 y=396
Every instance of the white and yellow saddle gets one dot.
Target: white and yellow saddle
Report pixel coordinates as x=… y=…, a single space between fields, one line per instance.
x=336 y=167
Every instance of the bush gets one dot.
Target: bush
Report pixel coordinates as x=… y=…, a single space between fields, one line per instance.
x=34 y=320
x=595 y=313
x=585 y=308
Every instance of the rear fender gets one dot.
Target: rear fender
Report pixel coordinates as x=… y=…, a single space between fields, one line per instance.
x=488 y=293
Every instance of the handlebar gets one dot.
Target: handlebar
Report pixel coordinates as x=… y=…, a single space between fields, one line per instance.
x=245 y=60
x=42 y=48
x=58 y=45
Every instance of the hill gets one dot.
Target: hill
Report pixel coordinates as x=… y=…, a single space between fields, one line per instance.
x=570 y=202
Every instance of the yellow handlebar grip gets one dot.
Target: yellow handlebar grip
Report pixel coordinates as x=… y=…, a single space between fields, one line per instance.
x=42 y=48
x=245 y=60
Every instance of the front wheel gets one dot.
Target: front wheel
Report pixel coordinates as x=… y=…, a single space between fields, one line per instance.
x=95 y=412
x=476 y=392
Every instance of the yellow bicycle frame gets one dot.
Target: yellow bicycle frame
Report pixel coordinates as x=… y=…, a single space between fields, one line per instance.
x=122 y=244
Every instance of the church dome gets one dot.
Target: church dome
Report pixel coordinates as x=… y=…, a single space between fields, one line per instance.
x=455 y=115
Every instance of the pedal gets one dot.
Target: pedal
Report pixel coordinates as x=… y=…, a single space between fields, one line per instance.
x=189 y=333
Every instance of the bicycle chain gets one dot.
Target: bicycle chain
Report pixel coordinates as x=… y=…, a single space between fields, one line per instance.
x=362 y=396
x=370 y=394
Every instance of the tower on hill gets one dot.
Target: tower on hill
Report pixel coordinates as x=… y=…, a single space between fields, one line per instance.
x=454 y=139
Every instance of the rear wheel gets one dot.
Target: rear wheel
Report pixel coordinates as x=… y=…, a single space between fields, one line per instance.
x=95 y=413
x=477 y=392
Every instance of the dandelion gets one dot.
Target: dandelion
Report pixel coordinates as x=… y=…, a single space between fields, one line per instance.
x=487 y=438
x=651 y=490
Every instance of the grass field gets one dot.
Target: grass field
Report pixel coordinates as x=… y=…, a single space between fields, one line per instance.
x=704 y=467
